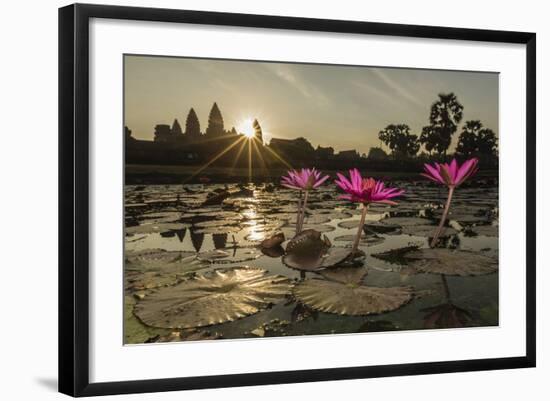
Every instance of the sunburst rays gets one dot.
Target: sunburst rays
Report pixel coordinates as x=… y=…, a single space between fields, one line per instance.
x=216 y=157
x=254 y=149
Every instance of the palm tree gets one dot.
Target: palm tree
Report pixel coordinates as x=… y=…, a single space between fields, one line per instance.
x=476 y=140
x=445 y=115
x=399 y=139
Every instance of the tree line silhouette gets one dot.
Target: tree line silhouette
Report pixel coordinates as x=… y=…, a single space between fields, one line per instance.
x=229 y=148
x=445 y=115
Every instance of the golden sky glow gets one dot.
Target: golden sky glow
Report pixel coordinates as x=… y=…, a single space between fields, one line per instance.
x=245 y=127
x=339 y=106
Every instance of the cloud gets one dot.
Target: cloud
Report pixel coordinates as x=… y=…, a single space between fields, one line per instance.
x=396 y=87
x=288 y=74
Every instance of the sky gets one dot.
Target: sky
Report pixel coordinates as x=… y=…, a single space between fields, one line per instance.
x=340 y=106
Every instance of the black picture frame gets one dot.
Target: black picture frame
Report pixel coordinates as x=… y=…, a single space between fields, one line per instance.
x=74 y=198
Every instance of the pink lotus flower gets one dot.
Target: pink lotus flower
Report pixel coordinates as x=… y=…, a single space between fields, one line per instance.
x=306 y=179
x=366 y=190
x=451 y=174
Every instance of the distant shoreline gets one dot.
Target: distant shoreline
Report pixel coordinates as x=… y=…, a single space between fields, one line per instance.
x=176 y=174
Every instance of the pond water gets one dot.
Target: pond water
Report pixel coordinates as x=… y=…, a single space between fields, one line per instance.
x=191 y=265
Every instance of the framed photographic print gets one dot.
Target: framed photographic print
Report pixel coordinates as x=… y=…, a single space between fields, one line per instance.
x=249 y=199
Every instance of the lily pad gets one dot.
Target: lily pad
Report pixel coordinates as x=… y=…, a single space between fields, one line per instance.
x=215 y=297
x=346 y=275
x=350 y=297
x=427 y=231
x=314 y=219
x=160 y=217
x=218 y=230
x=223 y=214
x=184 y=335
x=349 y=224
x=381 y=228
x=216 y=223
x=138 y=279
x=275 y=252
x=308 y=242
x=155 y=228
x=396 y=256
x=321 y=228
x=406 y=221
x=135 y=332
x=333 y=214
x=450 y=262
x=260 y=232
x=155 y=259
x=273 y=241
x=146 y=280
x=446 y=316
x=464 y=214
x=365 y=240
x=314 y=262
x=229 y=255
x=489 y=231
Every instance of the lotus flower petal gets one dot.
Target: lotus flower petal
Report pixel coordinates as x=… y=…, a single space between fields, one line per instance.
x=365 y=190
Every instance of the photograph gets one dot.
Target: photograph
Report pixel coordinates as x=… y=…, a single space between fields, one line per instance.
x=269 y=199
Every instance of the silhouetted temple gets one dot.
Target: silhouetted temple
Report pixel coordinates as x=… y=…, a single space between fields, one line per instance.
x=192 y=126
x=258 y=131
x=173 y=145
x=217 y=146
x=348 y=154
x=215 y=123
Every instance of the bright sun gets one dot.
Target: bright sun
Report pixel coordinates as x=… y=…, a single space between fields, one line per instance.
x=246 y=127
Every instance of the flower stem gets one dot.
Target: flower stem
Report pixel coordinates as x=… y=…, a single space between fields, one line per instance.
x=299 y=213
x=303 y=214
x=443 y=217
x=446 y=291
x=359 y=230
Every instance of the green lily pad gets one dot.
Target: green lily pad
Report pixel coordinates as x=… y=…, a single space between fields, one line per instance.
x=346 y=275
x=446 y=316
x=314 y=262
x=451 y=262
x=160 y=217
x=155 y=228
x=350 y=297
x=218 y=230
x=184 y=335
x=216 y=223
x=273 y=241
x=396 y=256
x=382 y=228
x=135 y=332
x=155 y=268
x=211 y=298
x=155 y=259
x=427 y=231
x=489 y=231
x=365 y=240
x=308 y=242
x=322 y=228
x=332 y=214
x=229 y=255
x=349 y=224
x=290 y=218
x=406 y=221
